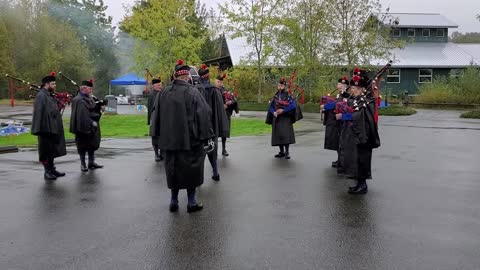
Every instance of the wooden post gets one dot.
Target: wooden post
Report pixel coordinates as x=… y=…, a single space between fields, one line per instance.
x=12 y=93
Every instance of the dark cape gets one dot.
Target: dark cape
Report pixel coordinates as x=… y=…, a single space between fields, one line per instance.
x=47 y=124
x=282 y=126
x=332 y=129
x=229 y=110
x=150 y=104
x=150 y=108
x=183 y=124
x=214 y=99
x=84 y=113
x=358 y=137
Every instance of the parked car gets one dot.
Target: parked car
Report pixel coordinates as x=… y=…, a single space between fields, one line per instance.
x=194 y=75
x=121 y=100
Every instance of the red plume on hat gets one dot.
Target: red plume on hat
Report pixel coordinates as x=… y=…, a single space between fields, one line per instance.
x=345 y=78
x=204 y=66
x=224 y=75
x=53 y=74
x=179 y=62
x=91 y=81
x=356 y=78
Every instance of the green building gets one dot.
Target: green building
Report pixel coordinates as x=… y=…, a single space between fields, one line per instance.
x=427 y=54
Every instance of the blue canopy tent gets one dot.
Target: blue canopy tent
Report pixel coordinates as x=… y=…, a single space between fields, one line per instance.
x=129 y=79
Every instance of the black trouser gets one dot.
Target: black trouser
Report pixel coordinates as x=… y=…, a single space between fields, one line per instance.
x=224 y=143
x=284 y=148
x=83 y=153
x=48 y=164
x=213 y=156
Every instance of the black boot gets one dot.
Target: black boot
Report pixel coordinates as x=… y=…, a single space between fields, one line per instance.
x=83 y=167
x=91 y=161
x=362 y=188
x=287 y=152
x=53 y=170
x=224 y=147
x=194 y=208
x=57 y=173
x=335 y=164
x=280 y=155
x=48 y=175
x=83 y=164
x=354 y=187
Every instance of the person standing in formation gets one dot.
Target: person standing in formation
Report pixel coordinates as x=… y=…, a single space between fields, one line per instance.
x=85 y=124
x=282 y=116
x=47 y=125
x=219 y=119
x=157 y=87
x=182 y=121
x=332 y=125
x=359 y=134
x=230 y=104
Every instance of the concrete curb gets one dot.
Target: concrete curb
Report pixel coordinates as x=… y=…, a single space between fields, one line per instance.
x=8 y=149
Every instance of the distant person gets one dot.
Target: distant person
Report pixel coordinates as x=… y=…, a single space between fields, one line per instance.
x=282 y=116
x=219 y=119
x=85 y=124
x=183 y=124
x=332 y=125
x=47 y=125
x=157 y=87
x=231 y=105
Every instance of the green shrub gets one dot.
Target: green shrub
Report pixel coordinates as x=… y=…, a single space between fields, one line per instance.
x=471 y=114
x=396 y=110
x=460 y=90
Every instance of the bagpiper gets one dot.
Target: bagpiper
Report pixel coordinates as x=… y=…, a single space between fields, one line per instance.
x=157 y=87
x=282 y=115
x=47 y=125
x=332 y=125
x=85 y=124
x=359 y=134
x=183 y=124
x=231 y=105
x=219 y=119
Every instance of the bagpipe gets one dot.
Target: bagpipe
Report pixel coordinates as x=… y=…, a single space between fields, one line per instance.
x=99 y=103
x=372 y=85
x=371 y=94
x=63 y=99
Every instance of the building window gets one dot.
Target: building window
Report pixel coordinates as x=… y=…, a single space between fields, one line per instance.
x=425 y=75
x=393 y=76
x=396 y=32
x=411 y=32
x=440 y=32
x=425 y=32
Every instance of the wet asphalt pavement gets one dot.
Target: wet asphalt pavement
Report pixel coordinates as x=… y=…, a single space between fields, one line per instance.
x=422 y=210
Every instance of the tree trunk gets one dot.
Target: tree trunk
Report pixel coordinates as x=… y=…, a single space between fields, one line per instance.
x=259 y=93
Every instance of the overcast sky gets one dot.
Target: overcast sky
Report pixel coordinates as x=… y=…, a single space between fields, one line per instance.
x=462 y=12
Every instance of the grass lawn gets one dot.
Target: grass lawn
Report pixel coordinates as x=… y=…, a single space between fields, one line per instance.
x=471 y=114
x=396 y=110
x=18 y=102
x=134 y=126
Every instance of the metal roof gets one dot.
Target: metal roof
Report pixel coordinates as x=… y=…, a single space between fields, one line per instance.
x=431 y=55
x=471 y=48
x=416 y=20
